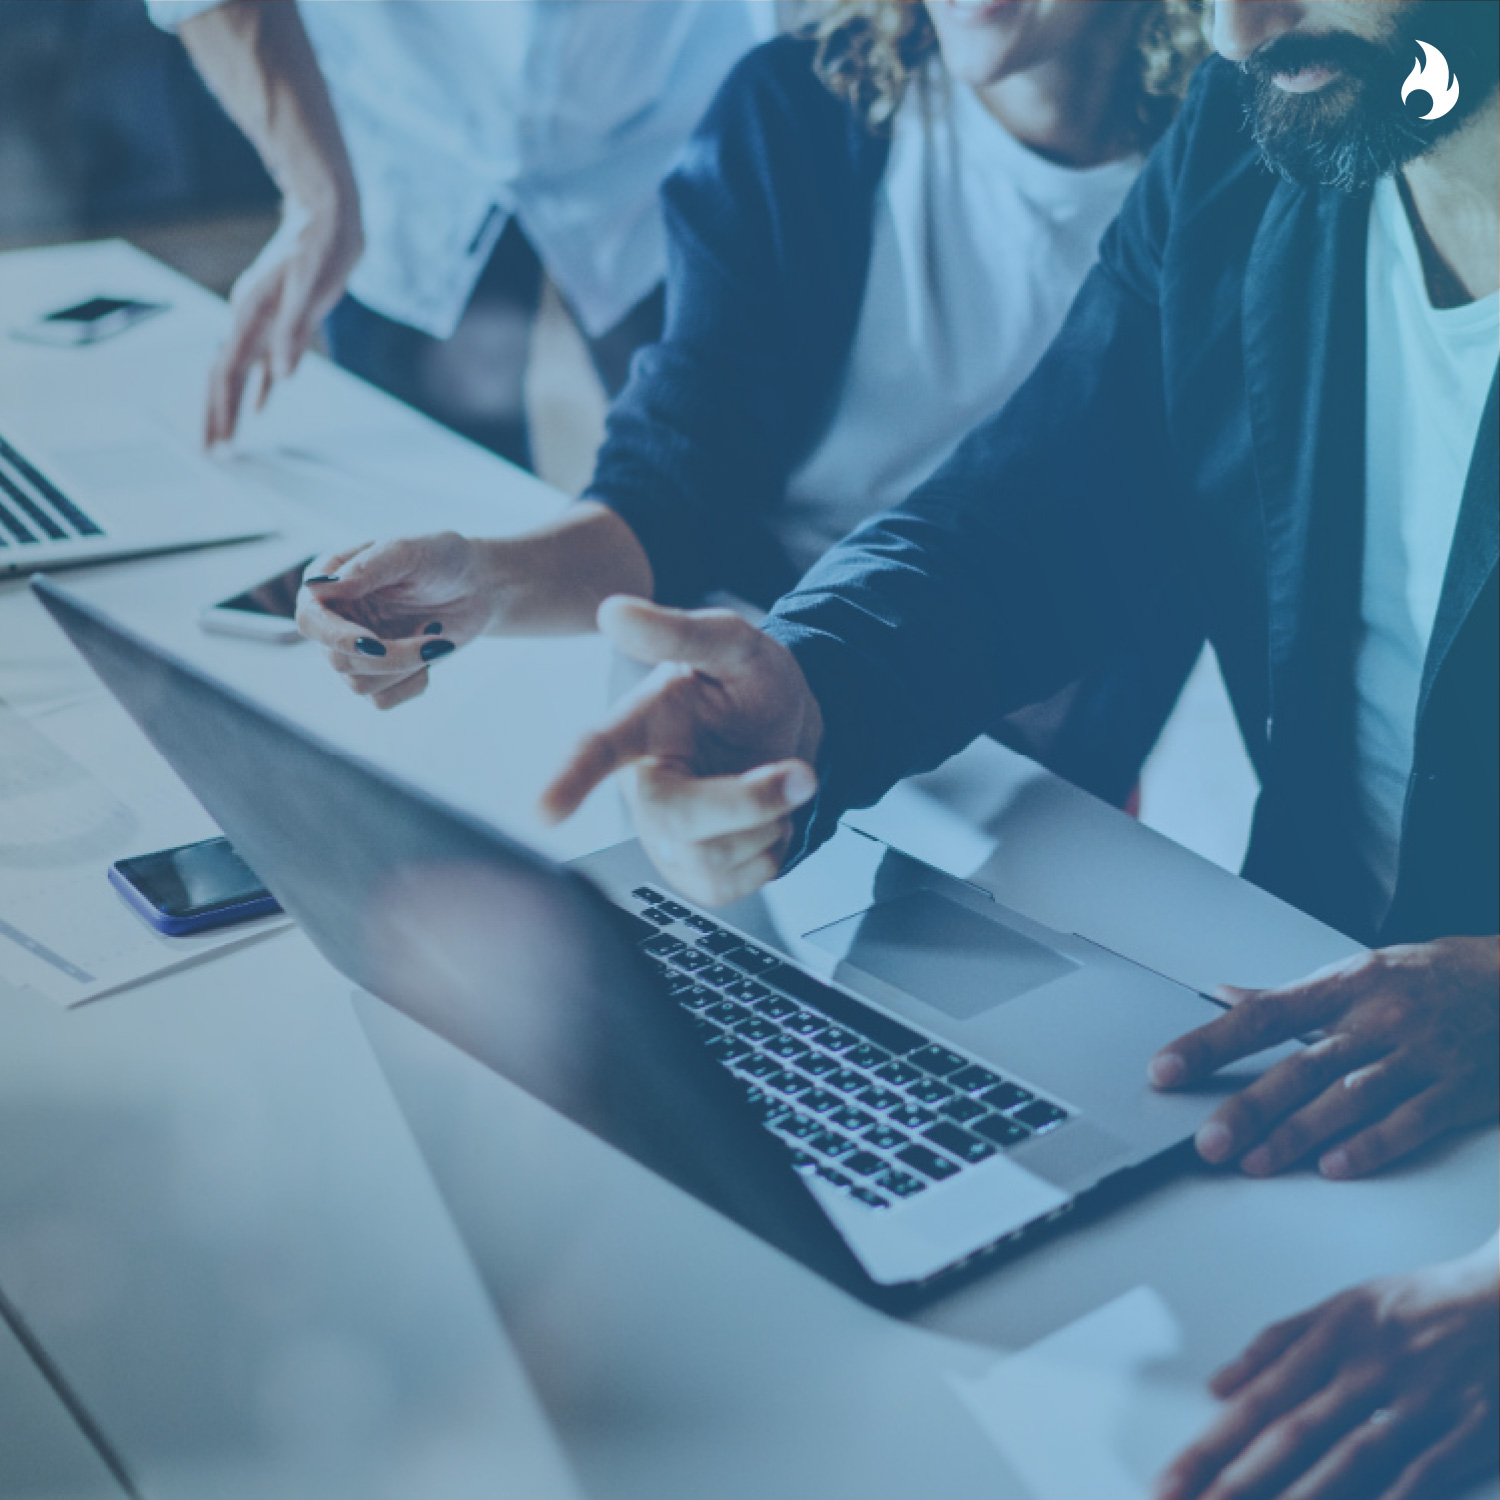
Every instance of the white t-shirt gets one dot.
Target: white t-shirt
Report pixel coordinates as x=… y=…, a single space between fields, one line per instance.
x=979 y=248
x=1427 y=376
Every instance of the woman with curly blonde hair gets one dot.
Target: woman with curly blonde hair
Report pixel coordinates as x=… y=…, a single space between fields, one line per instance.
x=875 y=232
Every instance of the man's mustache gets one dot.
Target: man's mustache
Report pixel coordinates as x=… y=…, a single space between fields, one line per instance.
x=1336 y=51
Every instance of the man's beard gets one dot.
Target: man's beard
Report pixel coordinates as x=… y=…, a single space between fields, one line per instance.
x=1356 y=129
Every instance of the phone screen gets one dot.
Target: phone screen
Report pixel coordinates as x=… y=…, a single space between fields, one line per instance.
x=95 y=309
x=194 y=878
x=276 y=596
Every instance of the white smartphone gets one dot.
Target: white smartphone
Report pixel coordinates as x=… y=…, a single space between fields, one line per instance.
x=264 y=612
x=87 y=322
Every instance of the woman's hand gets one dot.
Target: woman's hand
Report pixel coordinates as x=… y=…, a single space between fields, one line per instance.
x=1410 y=1049
x=719 y=740
x=386 y=611
x=1386 y=1392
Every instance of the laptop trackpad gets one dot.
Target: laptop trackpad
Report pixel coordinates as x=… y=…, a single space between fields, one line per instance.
x=942 y=953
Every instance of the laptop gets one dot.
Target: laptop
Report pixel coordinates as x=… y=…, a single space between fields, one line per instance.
x=114 y=486
x=915 y=1080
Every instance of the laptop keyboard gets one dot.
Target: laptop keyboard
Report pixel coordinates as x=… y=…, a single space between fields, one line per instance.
x=33 y=509
x=862 y=1099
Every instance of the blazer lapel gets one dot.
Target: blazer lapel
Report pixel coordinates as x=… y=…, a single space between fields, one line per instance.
x=1476 y=544
x=1304 y=339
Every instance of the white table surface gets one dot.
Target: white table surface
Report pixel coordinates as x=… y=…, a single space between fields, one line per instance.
x=215 y=1218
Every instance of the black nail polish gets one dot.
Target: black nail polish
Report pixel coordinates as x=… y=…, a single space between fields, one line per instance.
x=434 y=649
x=436 y=628
x=368 y=647
x=323 y=578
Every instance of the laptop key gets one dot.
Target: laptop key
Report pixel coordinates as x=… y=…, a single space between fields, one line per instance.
x=866 y=1056
x=930 y=1091
x=821 y=1101
x=645 y=893
x=959 y=1109
x=959 y=1143
x=751 y=960
x=756 y=1029
x=657 y=915
x=690 y=961
x=837 y=1039
x=790 y=1048
x=973 y=1079
x=793 y=1085
x=718 y=941
x=845 y=1010
x=1006 y=1096
x=865 y=1163
x=850 y=1118
x=806 y=1023
x=696 y=997
x=937 y=1060
x=718 y=975
x=727 y=1013
x=679 y=985
x=883 y=1138
x=758 y=1065
x=727 y=1048
x=700 y=924
x=798 y=1126
x=778 y=1007
x=1040 y=1115
x=900 y=1184
x=847 y=1081
x=831 y=1143
x=928 y=1163
x=869 y=1199
x=836 y=1178
x=1001 y=1131
x=879 y=1098
x=747 y=990
x=664 y=943
x=817 y=1064
x=911 y=1116
x=675 y=909
x=898 y=1074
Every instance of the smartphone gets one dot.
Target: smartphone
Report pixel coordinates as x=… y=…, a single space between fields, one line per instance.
x=192 y=887
x=266 y=611
x=88 y=322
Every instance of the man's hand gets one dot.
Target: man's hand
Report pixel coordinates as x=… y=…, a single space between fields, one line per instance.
x=1387 y=1391
x=1409 y=1050
x=384 y=612
x=278 y=304
x=720 y=740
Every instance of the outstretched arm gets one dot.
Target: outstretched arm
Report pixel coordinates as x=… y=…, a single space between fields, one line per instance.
x=255 y=56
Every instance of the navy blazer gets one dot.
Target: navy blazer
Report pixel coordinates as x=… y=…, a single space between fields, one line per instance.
x=1193 y=439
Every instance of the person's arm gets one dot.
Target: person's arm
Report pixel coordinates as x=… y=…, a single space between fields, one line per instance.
x=255 y=56
x=768 y=221
x=1386 y=1391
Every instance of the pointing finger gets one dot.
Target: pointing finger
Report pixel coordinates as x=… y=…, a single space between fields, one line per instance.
x=712 y=640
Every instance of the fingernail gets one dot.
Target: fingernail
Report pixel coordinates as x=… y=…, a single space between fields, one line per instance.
x=1336 y=1164
x=434 y=649
x=323 y=578
x=1213 y=1141
x=368 y=647
x=1165 y=1069
x=1257 y=1163
x=436 y=628
x=799 y=785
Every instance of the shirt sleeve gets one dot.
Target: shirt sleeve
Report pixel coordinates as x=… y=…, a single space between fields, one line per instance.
x=1040 y=552
x=170 y=14
x=768 y=222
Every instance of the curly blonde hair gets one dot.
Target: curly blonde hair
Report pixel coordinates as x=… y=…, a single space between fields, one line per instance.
x=869 y=51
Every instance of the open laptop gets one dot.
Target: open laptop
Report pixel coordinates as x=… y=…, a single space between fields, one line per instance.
x=114 y=485
x=955 y=1075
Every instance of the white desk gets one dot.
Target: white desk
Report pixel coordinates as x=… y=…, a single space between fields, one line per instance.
x=215 y=1219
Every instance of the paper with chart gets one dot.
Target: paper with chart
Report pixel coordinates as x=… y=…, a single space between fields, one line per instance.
x=64 y=932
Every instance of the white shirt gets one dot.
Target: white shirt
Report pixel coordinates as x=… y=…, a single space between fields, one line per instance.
x=979 y=248
x=566 y=114
x=1427 y=376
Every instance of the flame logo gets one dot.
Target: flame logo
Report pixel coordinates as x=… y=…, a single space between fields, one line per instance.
x=1435 y=78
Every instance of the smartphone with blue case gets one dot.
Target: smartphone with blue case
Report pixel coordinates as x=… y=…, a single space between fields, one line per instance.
x=192 y=887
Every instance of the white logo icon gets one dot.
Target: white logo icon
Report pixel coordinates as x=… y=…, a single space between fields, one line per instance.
x=1435 y=78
